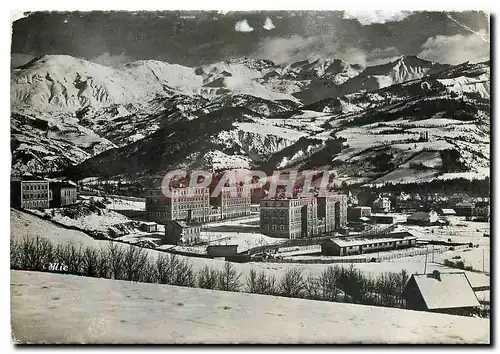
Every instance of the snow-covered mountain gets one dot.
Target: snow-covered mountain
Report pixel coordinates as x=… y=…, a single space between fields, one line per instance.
x=148 y=116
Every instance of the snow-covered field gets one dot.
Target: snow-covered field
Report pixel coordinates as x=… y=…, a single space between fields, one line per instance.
x=24 y=224
x=55 y=308
x=120 y=203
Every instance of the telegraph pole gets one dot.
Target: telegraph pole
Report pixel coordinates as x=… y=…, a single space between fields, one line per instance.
x=425 y=264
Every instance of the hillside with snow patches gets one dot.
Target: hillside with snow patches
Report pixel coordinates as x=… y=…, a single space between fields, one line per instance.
x=405 y=121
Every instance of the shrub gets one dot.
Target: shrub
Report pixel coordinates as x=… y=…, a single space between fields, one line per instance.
x=292 y=283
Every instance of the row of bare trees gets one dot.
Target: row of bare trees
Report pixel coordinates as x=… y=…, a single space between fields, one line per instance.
x=115 y=261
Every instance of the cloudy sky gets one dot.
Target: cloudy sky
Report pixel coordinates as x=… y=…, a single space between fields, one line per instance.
x=196 y=38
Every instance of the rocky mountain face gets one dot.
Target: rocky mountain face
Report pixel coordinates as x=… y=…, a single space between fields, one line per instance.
x=85 y=119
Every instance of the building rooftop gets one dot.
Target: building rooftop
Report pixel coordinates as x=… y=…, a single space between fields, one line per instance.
x=446 y=290
x=149 y=223
x=448 y=211
x=367 y=241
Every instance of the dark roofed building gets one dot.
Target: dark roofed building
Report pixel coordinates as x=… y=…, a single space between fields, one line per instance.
x=29 y=193
x=179 y=232
x=464 y=209
x=449 y=293
x=63 y=193
x=222 y=250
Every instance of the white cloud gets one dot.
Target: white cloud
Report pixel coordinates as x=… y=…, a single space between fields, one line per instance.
x=368 y=17
x=456 y=49
x=243 y=26
x=269 y=25
x=284 y=50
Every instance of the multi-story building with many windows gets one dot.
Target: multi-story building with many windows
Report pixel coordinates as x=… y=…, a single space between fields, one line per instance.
x=183 y=202
x=234 y=202
x=289 y=218
x=29 y=193
x=302 y=217
x=333 y=209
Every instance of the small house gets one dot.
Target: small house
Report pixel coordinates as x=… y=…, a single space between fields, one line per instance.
x=179 y=232
x=482 y=210
x=63 y=194
x=423 y=218
x=149 y=226
x=222 y=250
x=356 y=213
x=449 y=293
x=382 y=205
x=464 y=209
x=383 y=219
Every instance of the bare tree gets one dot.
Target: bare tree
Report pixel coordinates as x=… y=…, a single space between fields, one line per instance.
x=328 y=284
x=184 y=274
x=229 y=278
x=134 y=262
x=292 y=283
x=90 y=262
x=115 y=254
x=71 y=256
x=35 y=253
x=260 y=283
x=207 y=278
x=15 y=255
x=312 y=288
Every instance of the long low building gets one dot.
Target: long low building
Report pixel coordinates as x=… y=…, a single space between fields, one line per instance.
x=351 y=246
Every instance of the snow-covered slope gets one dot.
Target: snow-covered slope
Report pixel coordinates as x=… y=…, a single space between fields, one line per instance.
x=88 y=310
x=390 y=133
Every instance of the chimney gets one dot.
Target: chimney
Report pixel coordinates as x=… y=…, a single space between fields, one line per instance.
x=189 y=217
x=436 y=275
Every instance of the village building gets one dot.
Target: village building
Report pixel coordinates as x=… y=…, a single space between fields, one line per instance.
x=183 y=201
x=332 y=212
x=482 y=210
x=382 y=205
x=465 y=209
x=234 y=201
x=446 y=212
x=303 y=217
x=423 y=218
x=383 y=219
x=62 y=193
x=289 y=218
x=449 y=293
x=354 y=246
x=181 y=233
x=222 y=250
x=355 y=213
x=29 y=193
x=149 y=226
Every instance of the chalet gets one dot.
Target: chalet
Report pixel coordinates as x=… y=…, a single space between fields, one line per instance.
x=346 y=247
x=382 y=205
x=449 y=293
x=464 y=209
x=179 y=232
x=149 y=226
x=423 y=218
x=222 y=250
